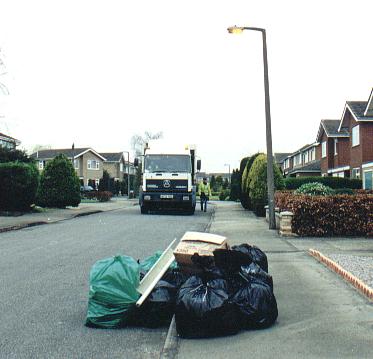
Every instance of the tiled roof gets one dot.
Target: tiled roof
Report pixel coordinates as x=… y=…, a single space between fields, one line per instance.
x=314 y=166
x=280 y=157
x=68 y=152
x=112 y=156
x=358 y=109
x=6 y=137
x=331 y=128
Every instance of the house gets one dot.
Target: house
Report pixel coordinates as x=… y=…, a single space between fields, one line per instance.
x=8 y=142
x=343 y=148
x=88 y=163
x=301 y=163
x=357 y=119
x=116 y=165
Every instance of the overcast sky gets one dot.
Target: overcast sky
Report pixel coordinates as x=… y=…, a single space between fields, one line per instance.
x=97 y=72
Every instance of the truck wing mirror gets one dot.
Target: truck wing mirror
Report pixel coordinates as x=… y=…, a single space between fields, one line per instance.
x=198 y=165
x=136 y=162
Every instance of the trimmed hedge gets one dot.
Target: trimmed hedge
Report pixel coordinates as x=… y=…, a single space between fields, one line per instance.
x=338 y=215
x=18 y=185
x=332 y=182
x=104 y=196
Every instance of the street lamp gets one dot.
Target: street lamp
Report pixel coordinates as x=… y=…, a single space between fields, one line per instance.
x=128 y=173
x=227 y=164
x=270 y=178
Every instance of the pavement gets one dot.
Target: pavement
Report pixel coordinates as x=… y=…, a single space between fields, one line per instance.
x=320 y=315
x=53 y=215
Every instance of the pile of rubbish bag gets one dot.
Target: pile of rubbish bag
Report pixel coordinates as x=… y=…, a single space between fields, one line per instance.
x=229 y=292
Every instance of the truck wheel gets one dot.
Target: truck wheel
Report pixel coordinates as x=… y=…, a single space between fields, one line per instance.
x=144 y=209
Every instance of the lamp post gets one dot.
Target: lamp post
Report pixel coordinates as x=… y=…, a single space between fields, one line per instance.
x=270 y=177
x=229 y=169
x=128 y=173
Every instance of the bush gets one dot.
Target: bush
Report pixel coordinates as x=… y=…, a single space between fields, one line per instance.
x=18 y=186
x=344 y=191
x=245 y=199
x=257 y=178
x=332 y=182
x=13 y=155
x=337 y=215
x=314 y=189
x=224 y=194
x=59 y=184
x=104 y=196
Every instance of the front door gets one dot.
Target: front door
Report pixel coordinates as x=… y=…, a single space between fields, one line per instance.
x=368 y=180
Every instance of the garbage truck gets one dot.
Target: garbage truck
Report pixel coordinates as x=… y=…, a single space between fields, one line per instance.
x=168 y=177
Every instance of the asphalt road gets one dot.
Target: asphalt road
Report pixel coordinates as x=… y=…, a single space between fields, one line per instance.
x=44 y=283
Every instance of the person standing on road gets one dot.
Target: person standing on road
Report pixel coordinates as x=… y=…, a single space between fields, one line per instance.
x=204 y=192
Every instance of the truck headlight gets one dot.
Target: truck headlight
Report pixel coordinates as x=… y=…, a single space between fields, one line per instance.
x=185 y=198
x=147 y=198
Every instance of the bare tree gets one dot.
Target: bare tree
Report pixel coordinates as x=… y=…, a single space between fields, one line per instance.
x=138 y=142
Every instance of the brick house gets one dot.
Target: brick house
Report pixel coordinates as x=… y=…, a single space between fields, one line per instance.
x=343 y=148
x=88 y=163
x=116 y=165
x=8 y=142
x=301 y=163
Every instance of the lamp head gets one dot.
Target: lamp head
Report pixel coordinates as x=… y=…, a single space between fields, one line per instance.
x=235 y=30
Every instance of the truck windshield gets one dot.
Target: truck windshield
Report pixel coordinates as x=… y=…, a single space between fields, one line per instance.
x=167 y=163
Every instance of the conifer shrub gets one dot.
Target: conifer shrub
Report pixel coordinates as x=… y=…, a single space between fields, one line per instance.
x=257 y=183
x=59 y=184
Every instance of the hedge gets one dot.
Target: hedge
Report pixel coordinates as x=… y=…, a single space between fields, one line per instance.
x=244 y=198
x=332 y=182
x=337 y=215
x=18 y=186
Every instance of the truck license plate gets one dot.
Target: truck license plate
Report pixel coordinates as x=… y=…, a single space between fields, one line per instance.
x=167 y=196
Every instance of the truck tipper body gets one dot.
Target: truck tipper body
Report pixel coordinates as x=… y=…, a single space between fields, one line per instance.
x=168 y=177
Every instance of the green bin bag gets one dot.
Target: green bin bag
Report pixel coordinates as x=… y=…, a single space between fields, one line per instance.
x=112 y=292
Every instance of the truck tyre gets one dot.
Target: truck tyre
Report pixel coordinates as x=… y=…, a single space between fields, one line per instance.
x=144 y=209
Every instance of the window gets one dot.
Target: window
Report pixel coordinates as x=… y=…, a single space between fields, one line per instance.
x=93 y=165
x=312 y=154
x=41 y=165
x=306 y=157
x=356 y=172
x=76 y=164
x=121 y=167
x=355 y=136
x=97 y=181
x=335 y=147
x=368 y=179
x=323 y=149
x=286 y=163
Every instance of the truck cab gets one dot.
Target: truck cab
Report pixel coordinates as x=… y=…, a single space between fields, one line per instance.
x=168 y=178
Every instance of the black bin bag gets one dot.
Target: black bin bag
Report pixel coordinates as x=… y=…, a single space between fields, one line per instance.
x=257 y=255
x=159 y=307
x=203 y=309
x=254 y=273
x=256 y=303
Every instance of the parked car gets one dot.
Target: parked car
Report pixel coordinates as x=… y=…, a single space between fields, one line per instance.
x=85 y=189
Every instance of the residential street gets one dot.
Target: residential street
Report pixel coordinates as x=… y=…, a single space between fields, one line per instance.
x=44 y=283
x=44 y=292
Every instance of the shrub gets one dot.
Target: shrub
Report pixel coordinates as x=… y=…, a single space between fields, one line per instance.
x=18 y=186
x=59 y=184
x=332 y=182
x=13 y=155
x=257 y=178
x=245 y=199
x=104 y=196
x=344 y=191
x=314 y=189
x=224 y=194
x=337 y=215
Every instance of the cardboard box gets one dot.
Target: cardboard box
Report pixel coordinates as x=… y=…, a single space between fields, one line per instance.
x=198 y=242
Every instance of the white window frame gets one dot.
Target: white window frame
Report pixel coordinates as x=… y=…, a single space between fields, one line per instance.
x=121 y=167
x=41 y=165
x=89 y=165
x=312 y=154
x=357 y=172
x=364 y=173
x=355 y=136
x=76 y=163
x=306 y=157
x=323 y=149
x=335 y=146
